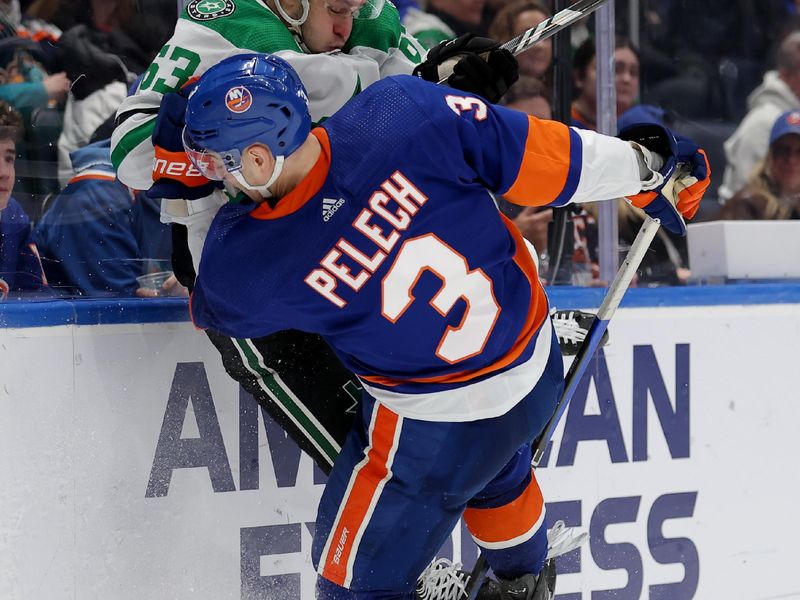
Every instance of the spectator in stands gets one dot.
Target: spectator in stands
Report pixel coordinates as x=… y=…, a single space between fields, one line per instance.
x=104 y=15
x=666 y=259
x=97 y=236
x=20 y=268
x=515 y=18
x=492 y=7
x=529 y=95
x=718 y=53
x=665 y=263
x=461 y=16
x=657 y=63
x=779 y=92
x=773 y=191
x=103 y=65
x=626 y=79
x=25 y=82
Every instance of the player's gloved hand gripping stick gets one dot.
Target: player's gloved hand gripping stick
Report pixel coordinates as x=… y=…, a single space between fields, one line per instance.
x=674 y=195
x=485 y=67
x=676 y=174
x=471 y=64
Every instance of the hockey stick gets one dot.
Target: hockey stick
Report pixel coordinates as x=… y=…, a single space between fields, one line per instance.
x=580 y=363
x=552 y=26
x=613 y=297
x=549 y=27
x=544 y=30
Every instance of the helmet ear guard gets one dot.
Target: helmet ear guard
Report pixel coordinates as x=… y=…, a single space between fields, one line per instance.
x=243 y=100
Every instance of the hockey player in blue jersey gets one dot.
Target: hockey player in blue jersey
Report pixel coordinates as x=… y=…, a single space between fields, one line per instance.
x=377 y=230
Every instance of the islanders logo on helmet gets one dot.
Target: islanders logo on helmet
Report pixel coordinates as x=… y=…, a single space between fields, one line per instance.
x=238 y=99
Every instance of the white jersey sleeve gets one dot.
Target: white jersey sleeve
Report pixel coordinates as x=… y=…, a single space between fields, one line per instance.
x=376 y=48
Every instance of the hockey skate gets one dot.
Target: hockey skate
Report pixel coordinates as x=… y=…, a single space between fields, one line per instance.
x=571 y=327
x=528 y=587
x=445 y=580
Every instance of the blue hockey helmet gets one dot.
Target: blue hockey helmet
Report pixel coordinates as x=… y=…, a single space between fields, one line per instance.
x=243 y=100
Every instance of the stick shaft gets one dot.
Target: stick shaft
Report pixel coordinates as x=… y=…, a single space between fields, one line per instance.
x=610 y=303
x=552 y=26
x=549 y=27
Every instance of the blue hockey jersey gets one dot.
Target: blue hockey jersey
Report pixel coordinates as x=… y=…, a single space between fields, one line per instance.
x=20 y=267
x=392 y=247
x=97 y=236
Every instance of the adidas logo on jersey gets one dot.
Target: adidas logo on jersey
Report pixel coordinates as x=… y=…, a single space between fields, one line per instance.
x=330 y=206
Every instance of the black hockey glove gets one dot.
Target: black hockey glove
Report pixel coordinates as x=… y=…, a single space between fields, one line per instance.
x=471 y=64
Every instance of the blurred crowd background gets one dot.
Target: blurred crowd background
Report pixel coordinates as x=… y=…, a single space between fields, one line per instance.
x=724 y=72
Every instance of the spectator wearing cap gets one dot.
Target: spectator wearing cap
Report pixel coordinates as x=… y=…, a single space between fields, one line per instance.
x=778 y=93
x=97 y=236
x=773 y=191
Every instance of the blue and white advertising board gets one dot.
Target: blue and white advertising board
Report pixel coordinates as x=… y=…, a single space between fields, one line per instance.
x=131 y=466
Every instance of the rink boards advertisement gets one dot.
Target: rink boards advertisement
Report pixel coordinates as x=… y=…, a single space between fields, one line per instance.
x=133 y=467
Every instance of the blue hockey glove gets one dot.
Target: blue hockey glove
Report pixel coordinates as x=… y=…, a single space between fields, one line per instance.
x=173 y=173
x=686 y=175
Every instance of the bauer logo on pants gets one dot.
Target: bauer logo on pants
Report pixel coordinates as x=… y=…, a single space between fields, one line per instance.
x=206 y=10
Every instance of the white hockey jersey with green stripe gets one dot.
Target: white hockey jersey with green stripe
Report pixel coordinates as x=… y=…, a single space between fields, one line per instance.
x=211 y=30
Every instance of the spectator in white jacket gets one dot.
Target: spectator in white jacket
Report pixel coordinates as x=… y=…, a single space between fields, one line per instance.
x=779 y=92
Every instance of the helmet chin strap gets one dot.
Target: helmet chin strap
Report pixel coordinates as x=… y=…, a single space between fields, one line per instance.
x=261 y=189
x=292 y=23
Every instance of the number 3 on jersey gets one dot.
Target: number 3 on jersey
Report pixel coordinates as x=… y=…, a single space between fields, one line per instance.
x=462 y=104
x=429 y=253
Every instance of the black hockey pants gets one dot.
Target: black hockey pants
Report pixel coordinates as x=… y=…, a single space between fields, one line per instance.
x=294 y=376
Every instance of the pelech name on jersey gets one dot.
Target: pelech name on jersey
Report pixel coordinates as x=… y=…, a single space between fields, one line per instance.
x=396 y=201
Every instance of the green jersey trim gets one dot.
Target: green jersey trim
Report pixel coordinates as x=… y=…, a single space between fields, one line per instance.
x=130 y=141
x=251 y=26
x=271 y=383
x=381 y=33
x=431 y=37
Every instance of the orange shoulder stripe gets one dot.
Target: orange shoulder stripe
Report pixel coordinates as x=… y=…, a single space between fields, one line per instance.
x=545 y=164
